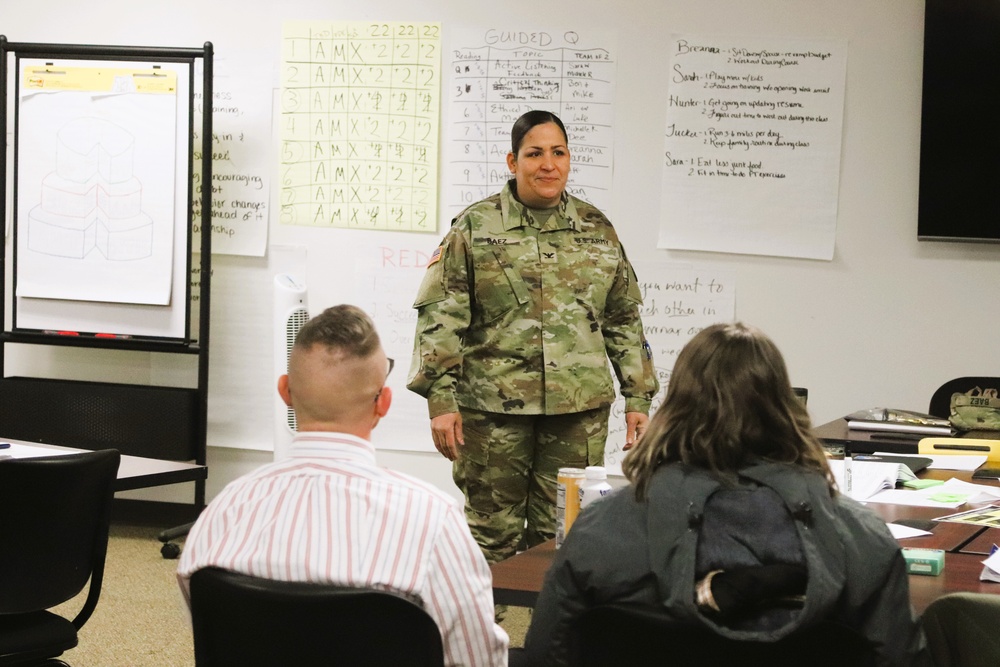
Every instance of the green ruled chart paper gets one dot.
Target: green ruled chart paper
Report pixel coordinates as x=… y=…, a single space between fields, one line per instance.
x=359 y=125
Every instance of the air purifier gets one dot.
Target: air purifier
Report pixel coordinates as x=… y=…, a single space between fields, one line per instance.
x=291 y=311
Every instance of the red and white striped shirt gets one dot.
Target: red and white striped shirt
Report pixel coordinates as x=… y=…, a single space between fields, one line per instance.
x=328 y=514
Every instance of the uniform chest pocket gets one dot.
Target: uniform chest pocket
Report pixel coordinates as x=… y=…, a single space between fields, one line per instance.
x=499 y=288
x=595 y=265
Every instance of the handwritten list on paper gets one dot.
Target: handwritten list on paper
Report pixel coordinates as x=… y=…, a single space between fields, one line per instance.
x=359 y=125
x=751 y=159
x=498 y=75
x=241 y=142
x=678 y=301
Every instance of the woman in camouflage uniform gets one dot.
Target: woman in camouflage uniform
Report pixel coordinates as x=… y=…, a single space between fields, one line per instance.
x=524 y=302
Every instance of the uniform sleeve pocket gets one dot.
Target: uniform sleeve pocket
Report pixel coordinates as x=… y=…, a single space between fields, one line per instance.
x=432 y=287
x=633 y=291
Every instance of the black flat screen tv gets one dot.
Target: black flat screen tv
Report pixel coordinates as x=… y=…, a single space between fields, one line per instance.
x=960 y=122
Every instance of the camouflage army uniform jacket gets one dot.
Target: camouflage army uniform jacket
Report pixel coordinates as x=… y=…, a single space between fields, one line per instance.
x=520 y=319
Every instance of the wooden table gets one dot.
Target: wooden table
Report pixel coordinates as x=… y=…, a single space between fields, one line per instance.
x=982 y=543
x=961 y=575
x=518 y=580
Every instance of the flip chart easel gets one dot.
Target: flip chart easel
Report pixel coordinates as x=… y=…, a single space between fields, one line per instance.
x=90 y=200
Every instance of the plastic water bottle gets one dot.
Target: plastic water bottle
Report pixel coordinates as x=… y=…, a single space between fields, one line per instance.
x=595 y=485
x=568 y=484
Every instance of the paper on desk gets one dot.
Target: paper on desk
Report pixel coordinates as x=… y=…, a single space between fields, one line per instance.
x=947 y=461
x=992 y=570
x=19 y=451
x=900 y=531
x=962 y=492
x=915 y=498
x=976 y=493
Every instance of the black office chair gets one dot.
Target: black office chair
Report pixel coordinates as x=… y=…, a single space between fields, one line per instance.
x=246 y=621
x=940 y=405
x=961 y=629
x=54 y=522
x=609 y=636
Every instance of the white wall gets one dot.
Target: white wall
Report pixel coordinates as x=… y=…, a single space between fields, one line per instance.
x=884 y=323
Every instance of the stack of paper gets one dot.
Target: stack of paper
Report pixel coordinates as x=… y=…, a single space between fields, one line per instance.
x=869 y=477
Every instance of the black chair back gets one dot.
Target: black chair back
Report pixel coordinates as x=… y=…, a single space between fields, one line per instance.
x=248 y=621
x=53 y=539
x=610 y=636
x=940 y=405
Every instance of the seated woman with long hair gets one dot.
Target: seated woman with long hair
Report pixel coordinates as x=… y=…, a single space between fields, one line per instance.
x=733 y=523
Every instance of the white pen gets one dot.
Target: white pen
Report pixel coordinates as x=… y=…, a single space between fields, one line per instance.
x=847 y=471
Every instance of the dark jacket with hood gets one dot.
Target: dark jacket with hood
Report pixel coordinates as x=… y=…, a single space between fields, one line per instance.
x=652 y=553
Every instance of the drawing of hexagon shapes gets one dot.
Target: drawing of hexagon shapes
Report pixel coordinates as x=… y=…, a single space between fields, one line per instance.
x=125 y=239
x=70 y=198
x=88 y=147
x=61 y=235
x=120 y=200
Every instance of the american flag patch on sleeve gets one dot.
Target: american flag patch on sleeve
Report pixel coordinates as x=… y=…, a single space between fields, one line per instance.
x=435 y=256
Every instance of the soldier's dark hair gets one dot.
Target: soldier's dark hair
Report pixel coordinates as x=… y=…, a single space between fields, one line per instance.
x=527 y=121
x=345 y=327
x=729 y=403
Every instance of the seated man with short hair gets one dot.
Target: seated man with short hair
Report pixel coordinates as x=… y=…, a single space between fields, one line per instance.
x=328 y=514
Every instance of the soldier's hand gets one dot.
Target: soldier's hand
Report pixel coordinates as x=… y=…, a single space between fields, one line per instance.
x=635 y=426
x=447 y=433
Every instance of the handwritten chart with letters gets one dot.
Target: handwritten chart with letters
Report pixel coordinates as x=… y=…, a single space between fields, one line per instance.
x=495 y=76
x=359 y=125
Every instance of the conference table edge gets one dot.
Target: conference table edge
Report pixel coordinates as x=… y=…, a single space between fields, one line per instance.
x=138 y=472
x=518 y=580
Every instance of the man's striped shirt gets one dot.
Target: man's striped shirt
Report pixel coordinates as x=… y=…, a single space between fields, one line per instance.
x=328 y=514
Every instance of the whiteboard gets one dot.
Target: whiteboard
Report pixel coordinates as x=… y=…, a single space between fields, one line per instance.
x=884 y=322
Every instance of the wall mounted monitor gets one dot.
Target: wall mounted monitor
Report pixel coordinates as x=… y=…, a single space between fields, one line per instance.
x=960 y=130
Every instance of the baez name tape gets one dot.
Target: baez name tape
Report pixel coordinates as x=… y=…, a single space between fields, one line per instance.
x=924 y=561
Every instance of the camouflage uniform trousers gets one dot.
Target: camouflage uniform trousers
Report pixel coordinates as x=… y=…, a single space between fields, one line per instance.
x=507 y=470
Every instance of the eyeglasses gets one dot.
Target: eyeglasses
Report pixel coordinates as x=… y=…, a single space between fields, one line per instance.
x=392 y=364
